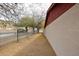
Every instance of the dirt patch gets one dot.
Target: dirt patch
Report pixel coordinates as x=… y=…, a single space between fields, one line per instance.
x=35 y=45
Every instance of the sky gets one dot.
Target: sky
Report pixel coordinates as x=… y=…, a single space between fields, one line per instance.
x=37 y=8
x=28 y=11
x=45 y=5
x=36 y=5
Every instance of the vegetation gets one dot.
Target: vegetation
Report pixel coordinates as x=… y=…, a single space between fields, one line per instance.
x=29 y=22
x=20 y=15
x=4 y=24
x=15 y=12
x=26 y=22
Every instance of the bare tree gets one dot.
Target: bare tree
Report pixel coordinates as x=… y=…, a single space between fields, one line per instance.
x=14 y=11
x=11 y=11
x=38 y=13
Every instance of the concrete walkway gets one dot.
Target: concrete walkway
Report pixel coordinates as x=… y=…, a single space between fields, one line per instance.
x=35 y=45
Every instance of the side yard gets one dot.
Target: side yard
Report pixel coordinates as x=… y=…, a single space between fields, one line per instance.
x=35 y=45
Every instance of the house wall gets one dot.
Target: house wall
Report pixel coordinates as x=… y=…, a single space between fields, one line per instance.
x=63 y=33
x=56 y=10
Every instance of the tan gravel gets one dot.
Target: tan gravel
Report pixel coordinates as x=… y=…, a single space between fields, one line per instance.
x=35 y=45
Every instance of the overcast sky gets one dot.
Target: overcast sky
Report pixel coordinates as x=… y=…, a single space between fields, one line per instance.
x=37 y=7
x=45 y=5
x=28 y=11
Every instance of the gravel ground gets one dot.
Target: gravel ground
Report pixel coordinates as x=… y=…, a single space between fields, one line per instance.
x=35 y=45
